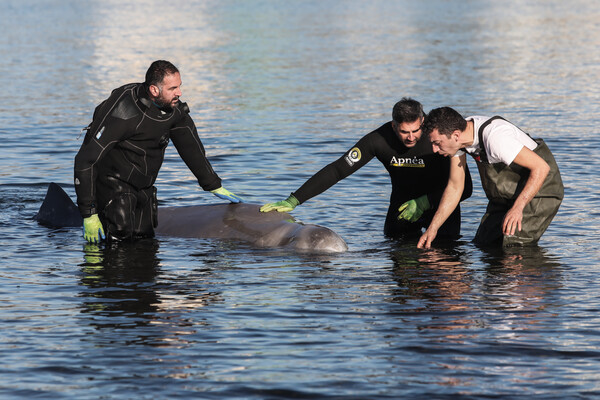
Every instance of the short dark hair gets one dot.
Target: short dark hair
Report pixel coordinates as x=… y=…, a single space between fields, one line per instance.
x=445 y=119
x=407 y=110
x=158 y=70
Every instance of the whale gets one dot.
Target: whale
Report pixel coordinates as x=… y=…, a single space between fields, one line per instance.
x=242 y=222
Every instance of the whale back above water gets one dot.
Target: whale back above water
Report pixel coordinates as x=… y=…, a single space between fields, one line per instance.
x=244 y=221
x=240 y=222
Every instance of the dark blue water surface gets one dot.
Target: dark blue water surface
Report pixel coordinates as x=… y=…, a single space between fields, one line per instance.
x=278 y=90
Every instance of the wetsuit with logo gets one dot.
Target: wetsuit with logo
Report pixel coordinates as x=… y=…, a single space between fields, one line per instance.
x=414 y=172
x=123 y=150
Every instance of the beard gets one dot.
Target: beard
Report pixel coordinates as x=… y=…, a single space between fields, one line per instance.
x=166 y=104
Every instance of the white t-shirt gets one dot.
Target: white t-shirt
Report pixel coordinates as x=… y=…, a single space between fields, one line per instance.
x=503 y=141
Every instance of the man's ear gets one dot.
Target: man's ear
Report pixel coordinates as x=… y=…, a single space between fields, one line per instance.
x=154 y=90
x=456 y=135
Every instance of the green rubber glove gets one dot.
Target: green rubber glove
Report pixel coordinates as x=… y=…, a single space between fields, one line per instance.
x=92 y=229
x=225 y=194
x=413 y=209
x=281 y=206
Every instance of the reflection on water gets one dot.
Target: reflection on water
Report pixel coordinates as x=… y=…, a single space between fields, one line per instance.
x=278 y=90
x=490 y=315
x=446 y=281
x=438 y=277
x=124 y=288
x=120 y=282
x=521 y=278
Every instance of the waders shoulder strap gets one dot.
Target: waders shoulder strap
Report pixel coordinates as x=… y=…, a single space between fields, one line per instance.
x=482 y=155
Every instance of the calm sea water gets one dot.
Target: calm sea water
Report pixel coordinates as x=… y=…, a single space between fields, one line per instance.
x=278 y=90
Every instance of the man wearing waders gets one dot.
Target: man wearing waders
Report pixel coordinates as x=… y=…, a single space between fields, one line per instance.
x=519 y=176
x=123 y=150
x=418 y=175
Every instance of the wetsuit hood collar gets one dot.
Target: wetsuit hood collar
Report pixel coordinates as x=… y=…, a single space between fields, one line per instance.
x=144 y=95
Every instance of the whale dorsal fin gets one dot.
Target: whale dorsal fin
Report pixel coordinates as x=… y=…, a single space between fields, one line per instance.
x=58 y=210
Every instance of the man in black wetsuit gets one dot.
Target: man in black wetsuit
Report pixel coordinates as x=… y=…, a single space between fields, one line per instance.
x=123 y=150
x=419 y=176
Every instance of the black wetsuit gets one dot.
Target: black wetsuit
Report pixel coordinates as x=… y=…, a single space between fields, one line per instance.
x=123 y=150
x=414 y=172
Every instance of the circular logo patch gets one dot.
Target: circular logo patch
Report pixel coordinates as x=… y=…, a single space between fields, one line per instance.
x=354 y=154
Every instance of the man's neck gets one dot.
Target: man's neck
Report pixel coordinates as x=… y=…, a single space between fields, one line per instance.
x=468 y=135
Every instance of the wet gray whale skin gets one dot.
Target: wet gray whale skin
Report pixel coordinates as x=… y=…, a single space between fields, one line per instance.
x=243 y=222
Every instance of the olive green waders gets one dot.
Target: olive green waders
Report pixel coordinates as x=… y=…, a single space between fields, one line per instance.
x=502 y=185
